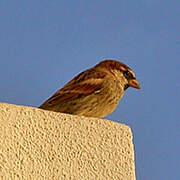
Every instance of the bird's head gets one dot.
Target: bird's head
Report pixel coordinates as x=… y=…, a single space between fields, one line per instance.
x=120 y=72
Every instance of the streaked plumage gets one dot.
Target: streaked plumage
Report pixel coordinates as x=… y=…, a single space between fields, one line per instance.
x=95 y=92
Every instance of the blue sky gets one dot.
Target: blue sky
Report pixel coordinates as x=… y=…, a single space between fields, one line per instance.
x=43 y=44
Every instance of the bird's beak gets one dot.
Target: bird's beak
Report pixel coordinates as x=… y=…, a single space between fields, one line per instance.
x=134 y=83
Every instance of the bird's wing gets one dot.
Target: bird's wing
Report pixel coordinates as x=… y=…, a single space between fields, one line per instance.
x=84 y=84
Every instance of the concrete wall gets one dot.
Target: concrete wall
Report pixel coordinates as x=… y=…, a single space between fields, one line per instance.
x=38 y=144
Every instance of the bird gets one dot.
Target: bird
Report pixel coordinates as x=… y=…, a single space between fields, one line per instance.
x=95 y=92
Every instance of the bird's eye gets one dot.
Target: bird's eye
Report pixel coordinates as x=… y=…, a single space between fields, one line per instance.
x=128 y=75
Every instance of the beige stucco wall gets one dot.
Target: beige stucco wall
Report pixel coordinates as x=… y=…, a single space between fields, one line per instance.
x=38 y=144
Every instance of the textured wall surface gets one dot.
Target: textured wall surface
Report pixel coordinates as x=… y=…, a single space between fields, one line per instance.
x=38 y=144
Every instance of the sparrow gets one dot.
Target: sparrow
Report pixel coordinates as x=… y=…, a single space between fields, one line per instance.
x=95 y=92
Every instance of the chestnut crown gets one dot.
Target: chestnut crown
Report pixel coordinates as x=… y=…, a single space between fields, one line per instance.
x=129 y=75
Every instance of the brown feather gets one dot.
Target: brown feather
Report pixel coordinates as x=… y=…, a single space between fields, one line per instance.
x=95 y=92
x=84 y=84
